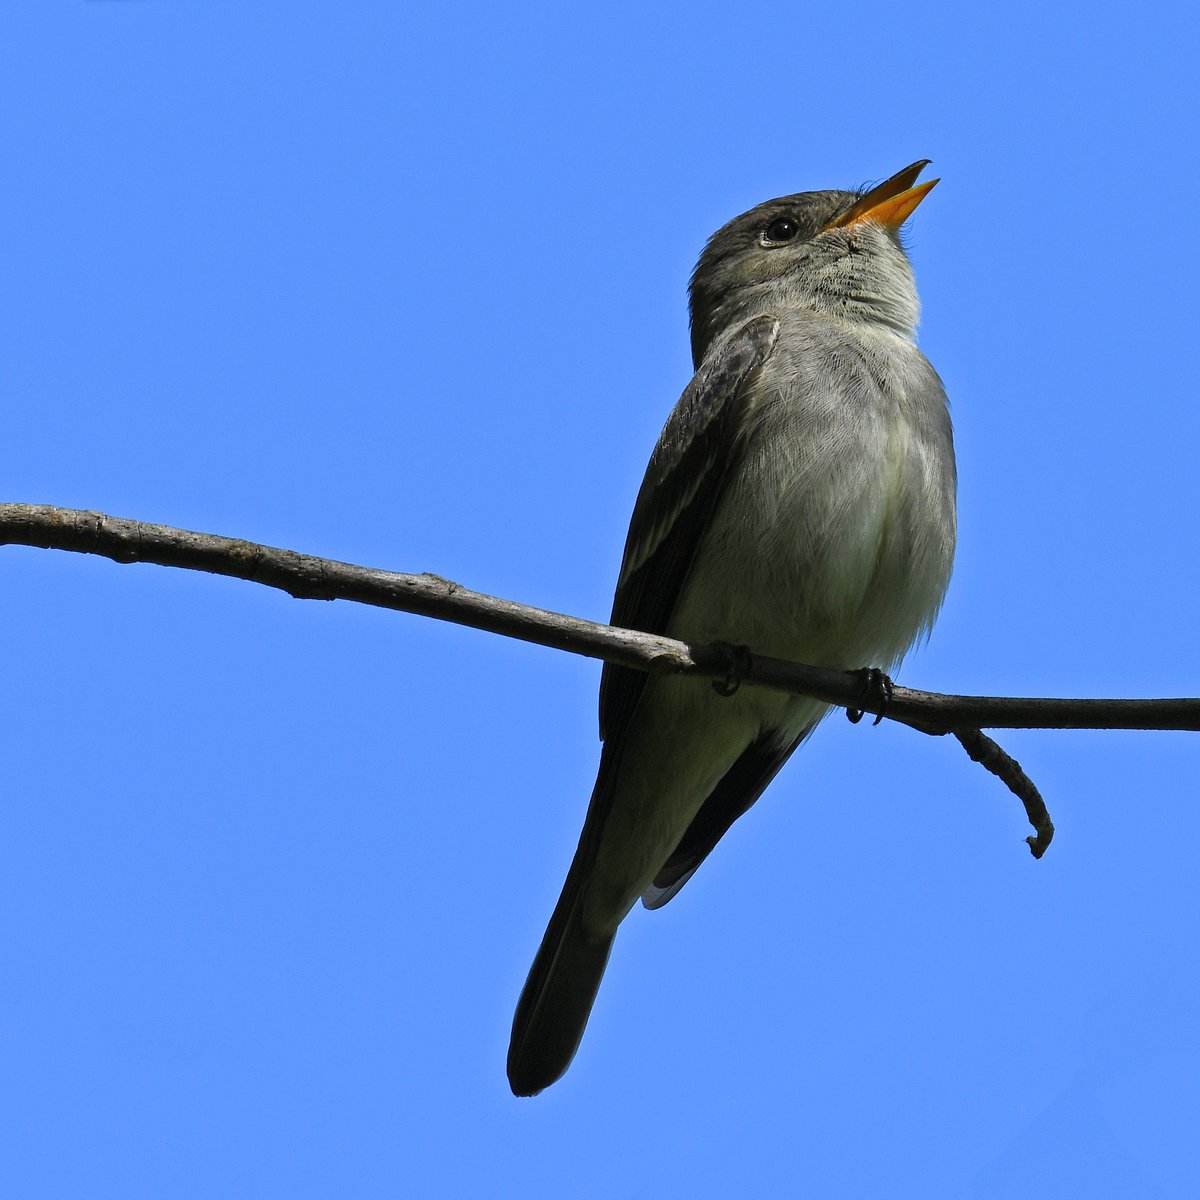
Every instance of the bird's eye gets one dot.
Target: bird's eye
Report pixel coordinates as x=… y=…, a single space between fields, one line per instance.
x=780 y=230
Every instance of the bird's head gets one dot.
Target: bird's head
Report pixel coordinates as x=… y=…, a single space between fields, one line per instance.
x=836 y=253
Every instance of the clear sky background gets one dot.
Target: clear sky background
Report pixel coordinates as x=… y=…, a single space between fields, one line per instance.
x=404 y=285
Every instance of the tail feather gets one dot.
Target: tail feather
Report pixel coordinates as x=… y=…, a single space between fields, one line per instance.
x=557 y=998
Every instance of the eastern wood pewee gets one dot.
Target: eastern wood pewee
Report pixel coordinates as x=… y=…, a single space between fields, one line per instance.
x=800 y=501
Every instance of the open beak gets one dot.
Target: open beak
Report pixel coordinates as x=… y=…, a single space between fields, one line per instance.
x=889 y=203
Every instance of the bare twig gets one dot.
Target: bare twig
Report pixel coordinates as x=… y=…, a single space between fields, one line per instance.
x=994 y=758
x=310 y=578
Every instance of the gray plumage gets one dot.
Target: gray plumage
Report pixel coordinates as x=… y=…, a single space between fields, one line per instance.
x=800 y=501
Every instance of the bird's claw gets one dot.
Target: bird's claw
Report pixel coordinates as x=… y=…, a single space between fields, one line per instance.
x=737 y=667
x=876 y=693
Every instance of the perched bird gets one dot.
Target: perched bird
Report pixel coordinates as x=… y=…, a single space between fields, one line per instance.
x=800 y=502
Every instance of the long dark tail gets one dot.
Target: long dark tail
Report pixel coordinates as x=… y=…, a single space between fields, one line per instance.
x=557 y=998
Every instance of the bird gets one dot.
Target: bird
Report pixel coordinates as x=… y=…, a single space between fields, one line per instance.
x=799 y=503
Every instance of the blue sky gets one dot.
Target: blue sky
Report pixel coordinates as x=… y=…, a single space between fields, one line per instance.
x=407 y=289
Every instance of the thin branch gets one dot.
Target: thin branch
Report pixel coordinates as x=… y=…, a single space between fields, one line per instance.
x=310 y=578
x=994 y=758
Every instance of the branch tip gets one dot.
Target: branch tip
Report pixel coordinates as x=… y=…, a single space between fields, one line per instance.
x=994 y=758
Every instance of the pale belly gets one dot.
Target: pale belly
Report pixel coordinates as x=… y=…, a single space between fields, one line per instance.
x=839 y=560
x=832 y=545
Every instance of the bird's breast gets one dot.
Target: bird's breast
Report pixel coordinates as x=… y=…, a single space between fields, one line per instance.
x=833 y=540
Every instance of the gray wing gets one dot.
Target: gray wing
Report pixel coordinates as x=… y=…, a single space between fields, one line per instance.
x=683 y=484
x=737 y=790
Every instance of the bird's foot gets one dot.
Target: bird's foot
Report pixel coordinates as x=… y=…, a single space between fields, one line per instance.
x=737 y=667
x=876 y=693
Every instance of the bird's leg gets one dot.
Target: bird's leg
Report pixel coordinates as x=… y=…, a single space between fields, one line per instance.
x=737 y=667
x=876 y=693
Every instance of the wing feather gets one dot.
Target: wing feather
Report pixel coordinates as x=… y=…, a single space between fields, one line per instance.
x=682 y=486
x=739 y=788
